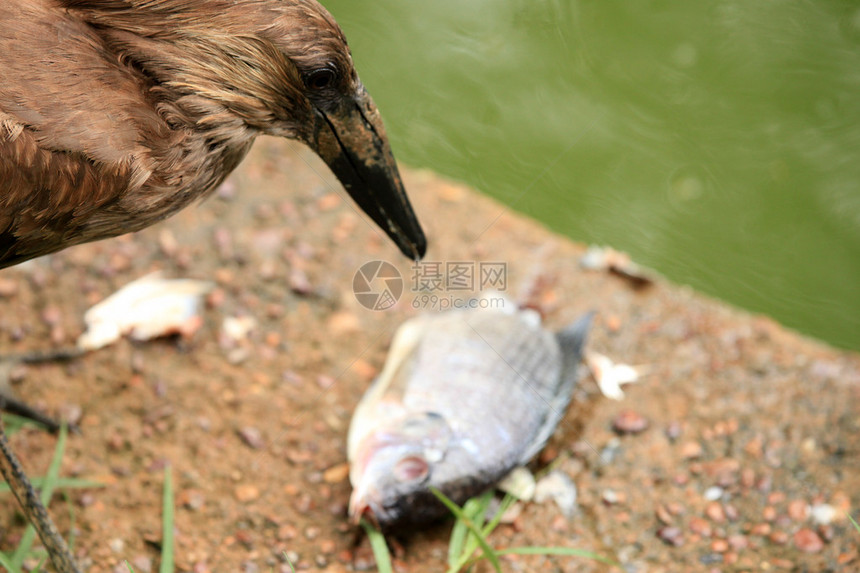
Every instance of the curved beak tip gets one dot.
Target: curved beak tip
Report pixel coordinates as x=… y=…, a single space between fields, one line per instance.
x=353 y=143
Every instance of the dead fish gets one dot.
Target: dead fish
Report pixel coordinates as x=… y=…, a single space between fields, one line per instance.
x=465 y=396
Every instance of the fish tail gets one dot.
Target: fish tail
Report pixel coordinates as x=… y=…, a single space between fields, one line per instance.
x=572 y=339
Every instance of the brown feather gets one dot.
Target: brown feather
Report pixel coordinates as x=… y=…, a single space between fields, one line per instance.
x=116 y=113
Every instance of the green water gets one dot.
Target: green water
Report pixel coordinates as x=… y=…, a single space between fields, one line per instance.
x=716 y=141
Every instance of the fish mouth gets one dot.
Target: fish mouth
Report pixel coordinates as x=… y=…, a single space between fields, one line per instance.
x=361 y=504
x=353 y=143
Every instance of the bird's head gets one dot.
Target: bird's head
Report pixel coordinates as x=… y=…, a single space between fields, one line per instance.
x=238 y=68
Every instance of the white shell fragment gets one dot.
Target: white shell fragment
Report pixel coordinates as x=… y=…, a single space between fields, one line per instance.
x=598 y=258
x=609 y=375
x=146 y=308
x=520 y=483
x=558 y=487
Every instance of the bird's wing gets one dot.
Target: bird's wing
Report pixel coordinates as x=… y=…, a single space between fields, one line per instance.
x=69 y=130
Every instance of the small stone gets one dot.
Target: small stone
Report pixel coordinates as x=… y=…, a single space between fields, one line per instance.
x=738 y=542
x=778 y=537
x=287 y=532
x=715 y=512
x=299 y=282
x=557 y=486
x=663 y=514
x=691 y=450
x=245 y=537
x=700 y=526
x=762 y=529
x=519 y=483
x=731 y=512
x=612 y=497
x=336 y=474
x=312 y=532
x=673 y=430
x=246 y=493
x=8 y=288
x=713 y=493
x=629 y=422
x=252 y=437
x=671 y=536
x=142 y=564
x=719 y=545
x=808 y=541
x=823 y=513
x=343 y=322
x=768 y=513
x=798 y=510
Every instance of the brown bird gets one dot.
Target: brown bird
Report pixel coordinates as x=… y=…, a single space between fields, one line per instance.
x=115 y=114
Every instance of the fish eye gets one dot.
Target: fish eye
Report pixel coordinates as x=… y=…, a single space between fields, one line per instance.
x=409 y=469
x=320 y=79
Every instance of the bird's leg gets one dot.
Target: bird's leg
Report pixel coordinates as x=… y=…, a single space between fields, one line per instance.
x=9 y=403
x=33 y=508
x=42 y=356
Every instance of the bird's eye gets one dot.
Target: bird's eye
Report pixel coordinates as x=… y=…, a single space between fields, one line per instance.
x=321 y=79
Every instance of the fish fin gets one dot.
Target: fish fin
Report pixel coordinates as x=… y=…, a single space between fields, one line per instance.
x=384 y=399
x=571 y=341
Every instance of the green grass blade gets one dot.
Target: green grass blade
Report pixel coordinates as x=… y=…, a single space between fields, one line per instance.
x=562 y=551
x=457 y=544
x=506 y=504
x=856 y=526
x=128 y=565
x=167 y=524
x=290 y=563
x=62 y=483
x=379 y=547
x=489 y=553
x=48 y=484
x=6 y=562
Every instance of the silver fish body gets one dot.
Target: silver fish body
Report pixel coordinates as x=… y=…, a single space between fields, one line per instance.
x=465 y=396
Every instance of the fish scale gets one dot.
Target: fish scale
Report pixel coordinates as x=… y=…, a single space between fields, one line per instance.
x=465 y=396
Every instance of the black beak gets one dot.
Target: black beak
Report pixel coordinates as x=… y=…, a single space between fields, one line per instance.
x=353 y=143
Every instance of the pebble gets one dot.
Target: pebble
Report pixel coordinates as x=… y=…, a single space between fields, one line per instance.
x=823 y=513
x=663 y=514
x=671 y=536
x=798 y=510
x=336 y=474
x=719 y=545
x=142 y=564
x=808 y=541
x=713 y=493
x=557 y=486
x=252 y=437
x=715 y=512
x=612 y=497
x=246 y=492
x=520 y=483
x=738 y=542
x=674 y=430
x=778 y=537
x=8 y=288
x=691 y=450
x=700 y=526
x=299 y=282
x=629 y=422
